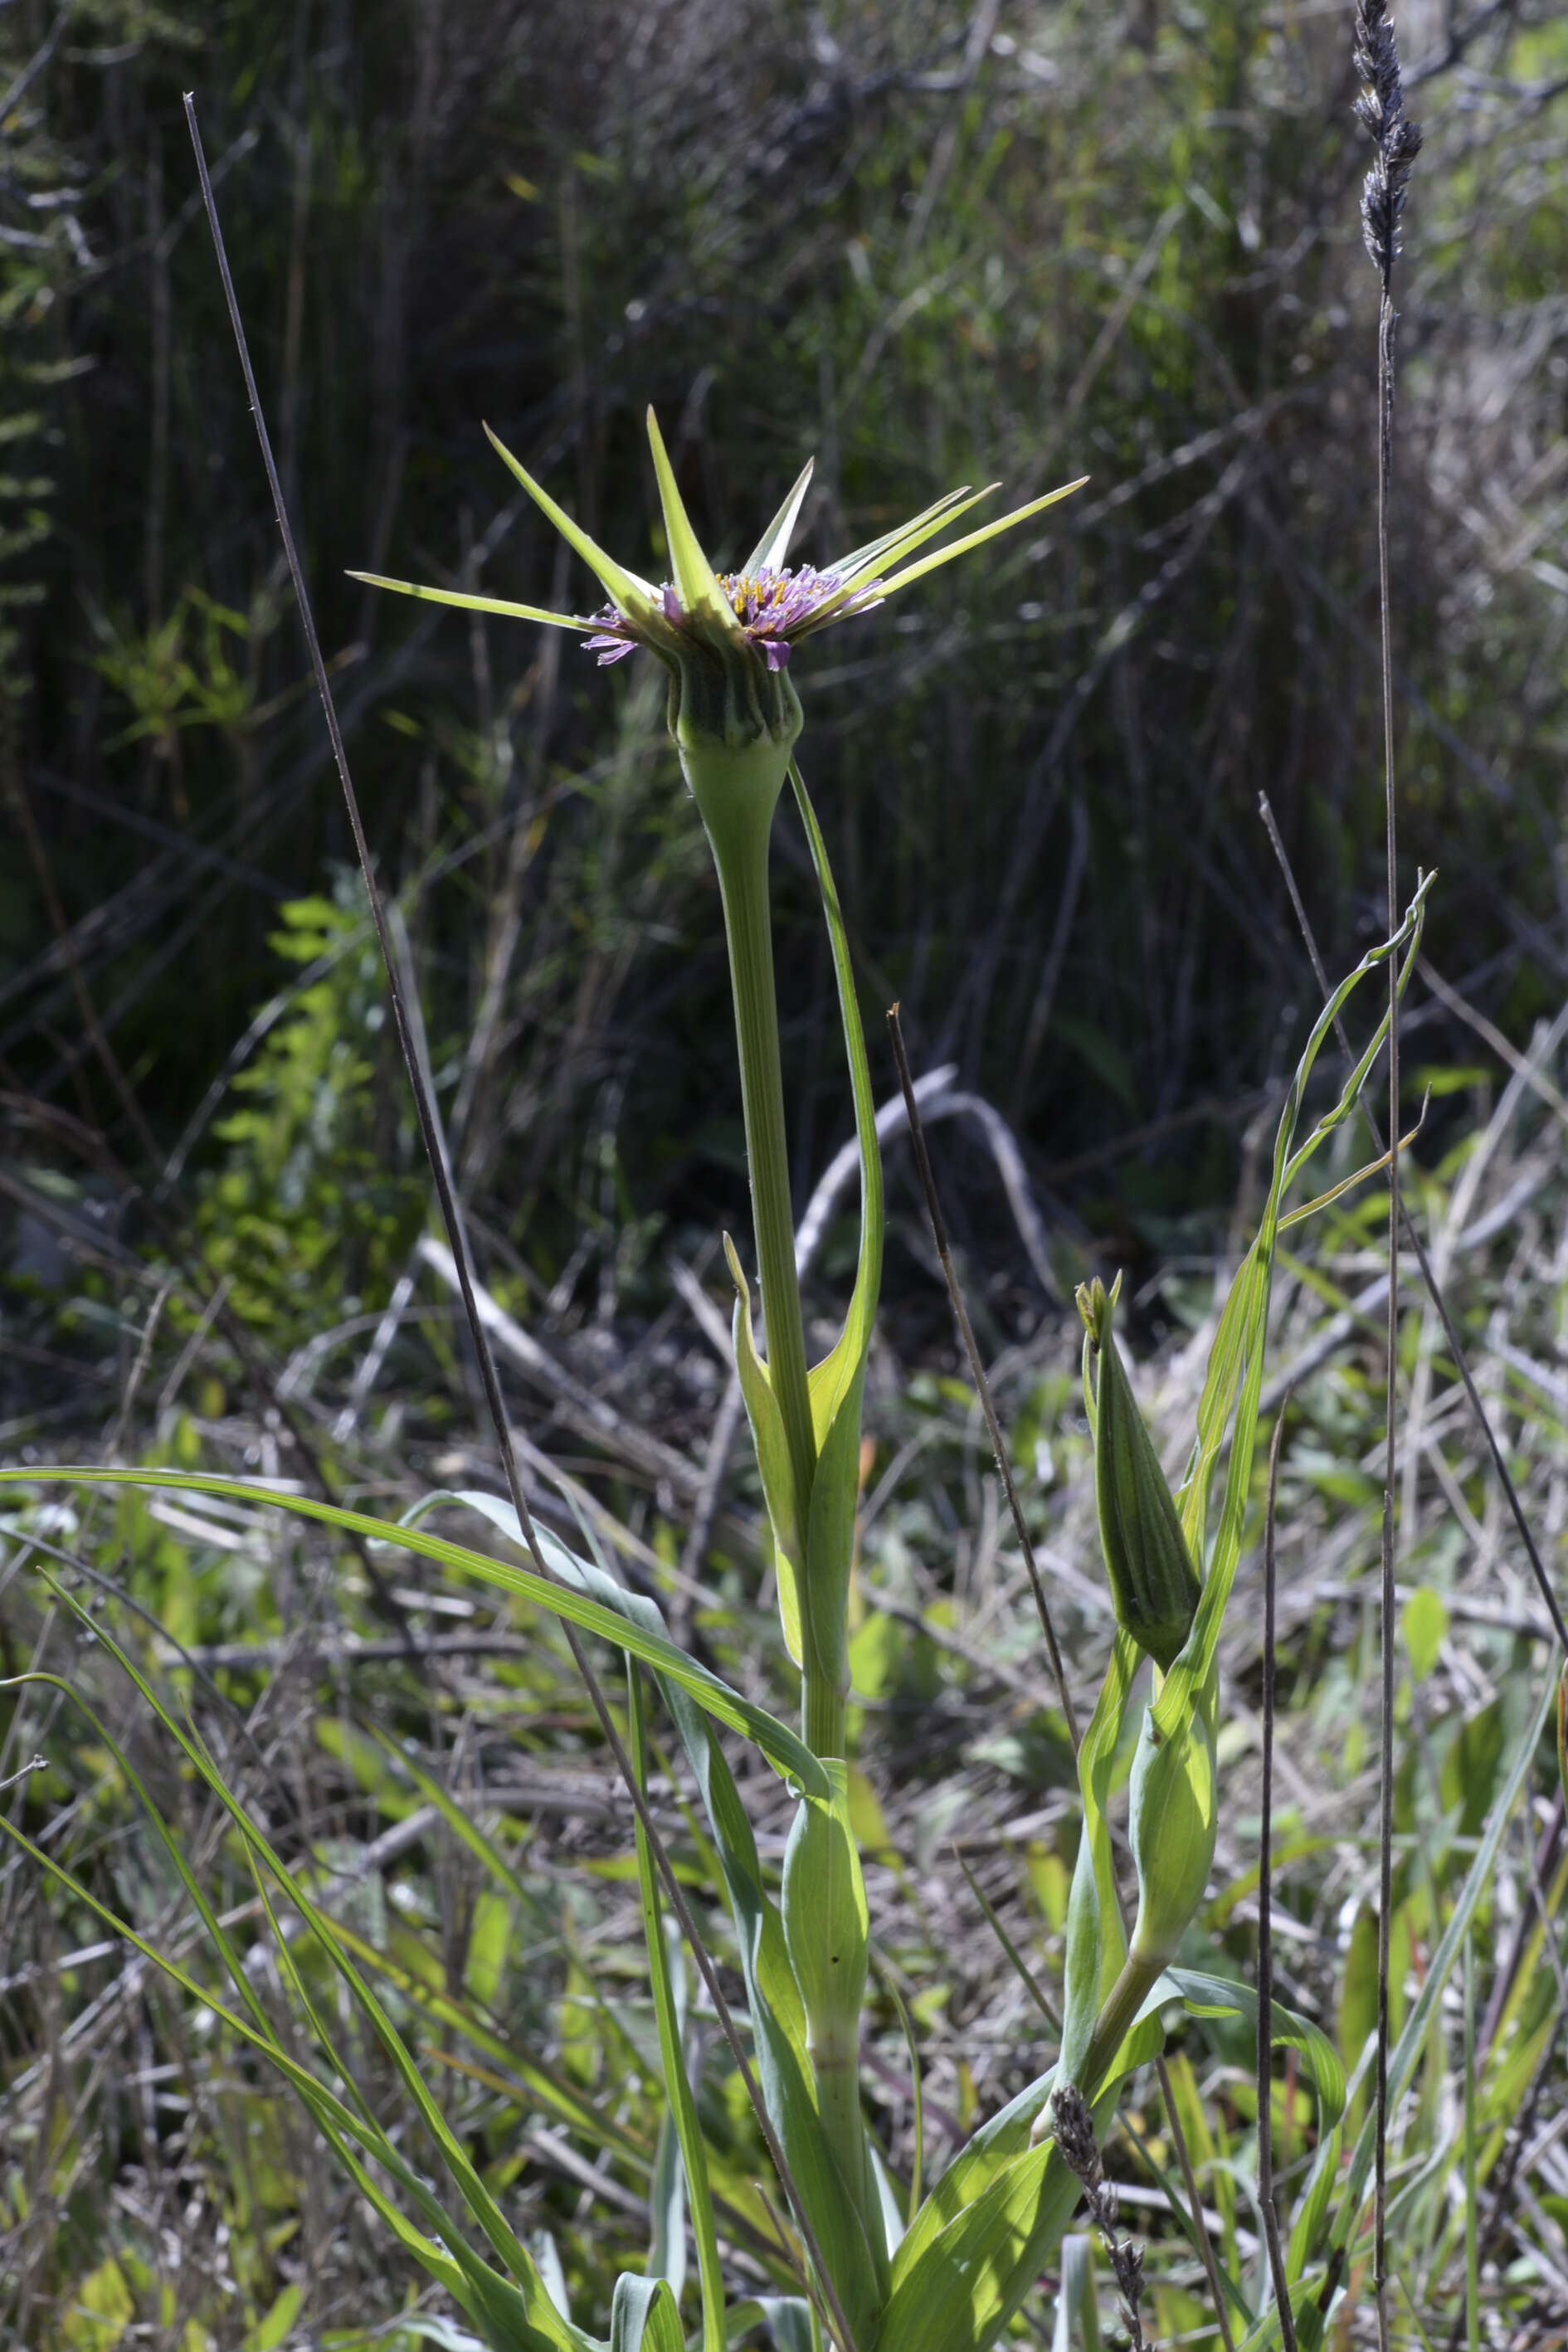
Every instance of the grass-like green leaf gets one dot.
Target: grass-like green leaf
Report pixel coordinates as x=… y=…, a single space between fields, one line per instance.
x=837 y=1384
x=643 y=2313
x=956 y=2287
x=682 y=2119
x=785 y=1749
x=512 y=2320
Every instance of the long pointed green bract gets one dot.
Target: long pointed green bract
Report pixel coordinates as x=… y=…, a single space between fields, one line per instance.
x=772 y=547
x=895 y=546
x=973 y=539
x=859 y=558
x=639 y=599
x=469 y=603
x=701 y=595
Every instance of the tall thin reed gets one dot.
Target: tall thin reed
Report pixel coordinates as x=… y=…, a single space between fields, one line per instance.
x=1396 y=141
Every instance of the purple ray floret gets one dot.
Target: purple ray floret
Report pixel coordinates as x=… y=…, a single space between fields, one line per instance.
x=775 y=608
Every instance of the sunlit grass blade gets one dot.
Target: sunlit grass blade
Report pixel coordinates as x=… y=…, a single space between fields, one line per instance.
x=643 y=2312
x=777 y=2018
x=1238 y=1351
x=481 y=2204
x=461 y=1823
x=1348 y=1183
x=668 y=2014
x=525 y=2077
x=1019 y=1965
x=467 y=2280
x=1077 y=2312
x=783 y=1749
x=1407 y=2052
x=917 y=2100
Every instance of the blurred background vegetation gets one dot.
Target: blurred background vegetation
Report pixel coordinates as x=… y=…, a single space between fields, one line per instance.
x=929 y=244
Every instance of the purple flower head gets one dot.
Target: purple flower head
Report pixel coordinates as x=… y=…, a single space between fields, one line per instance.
x=766 y=603
x=775 y=608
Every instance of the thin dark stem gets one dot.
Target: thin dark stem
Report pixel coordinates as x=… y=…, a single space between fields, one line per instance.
x=1200 y=2228
x=1428 y=1272
x=999 y=1447
x=429 y=1128
x=977 y=1369
x=1021 y=1968
x=1396 y=142
x=1391 y=1392
x=1265 y=1920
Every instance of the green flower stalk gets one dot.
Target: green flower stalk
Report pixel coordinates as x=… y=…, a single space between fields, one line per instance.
x=725 y=644
x=1154 y=1584
x=1171 y=1824
x=725 y=641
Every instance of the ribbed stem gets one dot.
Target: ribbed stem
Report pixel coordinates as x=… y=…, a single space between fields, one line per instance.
x=837 y=2072
x=742 y=863
x=822 y=1707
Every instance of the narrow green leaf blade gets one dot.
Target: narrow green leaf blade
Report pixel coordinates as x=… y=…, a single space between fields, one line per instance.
x=772 y=1449
x=680 y=2165
x=783 y=1749
x=964 y=2283
x=643 y=2313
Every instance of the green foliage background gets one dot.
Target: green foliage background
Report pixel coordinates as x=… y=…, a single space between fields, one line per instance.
x=928 y=246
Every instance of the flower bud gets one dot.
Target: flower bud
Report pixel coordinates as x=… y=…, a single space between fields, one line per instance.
x=1154 y=1584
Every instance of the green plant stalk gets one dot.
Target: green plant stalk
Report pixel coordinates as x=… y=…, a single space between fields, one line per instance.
x=1118 y=2011
x=743 y=866
x=826 y=1927
x=736 y=787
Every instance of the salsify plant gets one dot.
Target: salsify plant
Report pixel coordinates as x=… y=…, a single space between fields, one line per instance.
x=949 y=2270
